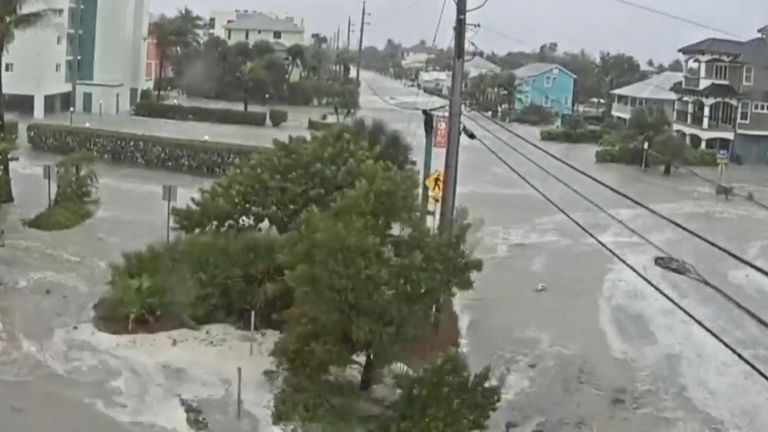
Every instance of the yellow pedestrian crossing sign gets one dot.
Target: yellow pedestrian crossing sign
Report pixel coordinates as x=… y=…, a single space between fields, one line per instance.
x=435 y=185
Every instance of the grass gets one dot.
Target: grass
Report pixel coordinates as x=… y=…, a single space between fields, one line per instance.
x=60 y=217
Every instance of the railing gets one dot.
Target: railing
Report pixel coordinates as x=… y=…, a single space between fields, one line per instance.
x=691 y=82
x=681 y=116
x=697 y=119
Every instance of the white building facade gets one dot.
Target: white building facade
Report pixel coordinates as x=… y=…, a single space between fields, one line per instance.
x=38 y=67
x=251 y=26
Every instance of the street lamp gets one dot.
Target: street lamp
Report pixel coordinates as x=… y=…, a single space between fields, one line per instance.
x=71 y=115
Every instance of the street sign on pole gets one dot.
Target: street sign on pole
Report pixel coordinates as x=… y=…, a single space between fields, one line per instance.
x=441 y=131
x=170 y=195
x=723 y=156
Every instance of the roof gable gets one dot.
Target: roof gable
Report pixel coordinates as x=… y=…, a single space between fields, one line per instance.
x=534 y=69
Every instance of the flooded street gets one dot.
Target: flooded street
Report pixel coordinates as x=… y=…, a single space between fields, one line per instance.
x=598 y=348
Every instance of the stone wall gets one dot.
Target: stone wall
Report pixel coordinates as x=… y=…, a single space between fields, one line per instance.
x=196 y=157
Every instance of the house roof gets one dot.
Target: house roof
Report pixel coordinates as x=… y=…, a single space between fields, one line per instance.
x=534 y=69
x=752 y=51
x=658 y=87
x=763 y=30
x=262 y=21
x=479 y=65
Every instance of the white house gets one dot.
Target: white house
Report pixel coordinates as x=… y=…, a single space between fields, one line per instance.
x=655 y=91
x=477 y=66
x=251 y=26
x=37 y=69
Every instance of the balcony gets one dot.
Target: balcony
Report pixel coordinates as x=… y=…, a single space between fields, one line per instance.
x=691 y=82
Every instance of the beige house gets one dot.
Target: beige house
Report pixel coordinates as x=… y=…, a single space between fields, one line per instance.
x=252 y=26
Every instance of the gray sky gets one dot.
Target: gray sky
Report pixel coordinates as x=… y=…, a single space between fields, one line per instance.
x=525 y=24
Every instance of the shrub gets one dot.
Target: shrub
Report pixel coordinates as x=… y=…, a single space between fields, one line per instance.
x=11 y=131
x=198 y=157
x=535 y=115
x=617 y=139
x=61 y=217
x=320 y=126
x=200 y=114
x=576 y=136
x=700 y=158
x=278 y=117
x=301 y=93
x=146 y=95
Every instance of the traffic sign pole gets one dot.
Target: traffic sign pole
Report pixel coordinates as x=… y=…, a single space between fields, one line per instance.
x=428 y=141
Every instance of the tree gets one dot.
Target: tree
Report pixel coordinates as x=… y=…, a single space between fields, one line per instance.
x=671 y=148
x=648 y=122
x=255 y=79
x=295 y=53
x=262 y=49
x=12 y=19
x=444 y=397
x=618 y=70
x=676 y=66
x=167 y=35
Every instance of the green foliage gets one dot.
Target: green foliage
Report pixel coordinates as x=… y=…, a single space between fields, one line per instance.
x=278 y=116
x=617 y=139
x=585 y=135
x=489 y=92
x=626 y=154
x=281 y=183
x=670 y=148
x=320 y=126
x=648 y=122
x=444 y=397
x=200 y=114
x=199 y=157
x=300 y=93
x=700 y=157
x=145 y=95
x=535 y=115
x=60 y=217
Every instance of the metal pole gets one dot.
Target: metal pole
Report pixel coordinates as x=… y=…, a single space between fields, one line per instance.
x=49 y=190
x=360 y=45
x=168 y=224
x=75 y=54
x=253 y=328
x=428 y=137
x=448 y=203
x=239 y=390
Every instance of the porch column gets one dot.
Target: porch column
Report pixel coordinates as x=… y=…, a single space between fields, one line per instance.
x=39 y=106
x=690 y=112
x=705 y=124
x=688 y=139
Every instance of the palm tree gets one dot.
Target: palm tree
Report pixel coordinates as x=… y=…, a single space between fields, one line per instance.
x=12 y=19
x=254 y=77
x=295 y=54
x=173 y=35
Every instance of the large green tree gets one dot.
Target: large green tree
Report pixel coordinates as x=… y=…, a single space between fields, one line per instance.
x=13 y=18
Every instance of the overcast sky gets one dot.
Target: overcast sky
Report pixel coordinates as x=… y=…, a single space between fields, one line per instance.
x=521 y=24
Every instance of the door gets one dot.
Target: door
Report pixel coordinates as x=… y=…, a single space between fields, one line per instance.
x=87 y=102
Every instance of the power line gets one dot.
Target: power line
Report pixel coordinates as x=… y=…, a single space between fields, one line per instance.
x=633 y=200
x=439 y=22
x=678 y=18
x=634 y=270
x=696 y=275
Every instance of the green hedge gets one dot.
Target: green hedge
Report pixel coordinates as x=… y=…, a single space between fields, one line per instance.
x=60 y=217
x=198 y=157
x=199 y=114
x=320 y=126
x=630 y=155
x=576 y=136
x=700 y=158
x=11 y=131
x=278 y=117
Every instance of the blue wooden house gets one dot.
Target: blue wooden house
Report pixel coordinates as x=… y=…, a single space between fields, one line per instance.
x=545 y=84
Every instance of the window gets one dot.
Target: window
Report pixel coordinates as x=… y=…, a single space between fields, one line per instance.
x=555 y=71
x=749 y=75
x=547 y=101
x=247 y=35
x=58 y=67
x=566 y=101
x=547 y=81
x=58 y=40
x=277 y=35
x=744 y=112
x=229 y=34
x=760 y=107
x=212 y=23
x=9 y=67
x=720 y=71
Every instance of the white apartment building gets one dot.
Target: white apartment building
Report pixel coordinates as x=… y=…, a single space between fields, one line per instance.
x=37 y=69
x=251 y=26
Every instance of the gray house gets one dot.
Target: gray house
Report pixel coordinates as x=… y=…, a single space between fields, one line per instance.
x=655 y=91
x=722 y=101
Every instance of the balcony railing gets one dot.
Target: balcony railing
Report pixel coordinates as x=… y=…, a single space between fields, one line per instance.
x=691 y=82
x=681 y=116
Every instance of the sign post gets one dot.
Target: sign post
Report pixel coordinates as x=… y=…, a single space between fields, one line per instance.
x=435 y=185
x=645 y=154
x=48 y=175
x=429 y=128
x=722 y=162
x=170 y=195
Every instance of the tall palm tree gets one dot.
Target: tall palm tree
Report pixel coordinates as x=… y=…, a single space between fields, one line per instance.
x=296 y=56
x=12 y=19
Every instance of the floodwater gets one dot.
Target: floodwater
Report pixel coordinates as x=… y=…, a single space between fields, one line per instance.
x=598 y=350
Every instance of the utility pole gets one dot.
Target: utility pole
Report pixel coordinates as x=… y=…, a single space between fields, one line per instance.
x=349 y=32
x=448 y=202
x=360 y=46
x=338 y=38
x=75 y=69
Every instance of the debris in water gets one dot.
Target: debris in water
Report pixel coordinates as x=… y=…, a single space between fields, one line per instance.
x=195 y=418
x=541 y=288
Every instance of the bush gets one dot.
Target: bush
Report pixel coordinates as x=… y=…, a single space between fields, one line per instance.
x=700 y=158
x=320 y=126
x=535 y=115
x=576 y=136
x=146 y=95
x=11 y=131
x=617 y=139
x=200 y=114
x=198 y=157
x=301 y=93
x=61 y=217
x=278 y=117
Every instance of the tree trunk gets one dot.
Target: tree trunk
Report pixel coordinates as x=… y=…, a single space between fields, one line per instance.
x=245 y=100
x=366 y=377
x=160 y=76
x=6 y=189
x=667 y=169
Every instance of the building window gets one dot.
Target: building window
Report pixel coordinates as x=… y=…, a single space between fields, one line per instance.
x=720 y=71
x=58 y=67
x=277 y=35
x=9 y=67
x=229 y=34
x=566 y=101
x=547 y=81
x=247 y=35
x=749 y=75
x=555 y=71
x=212 y=23
x=58 y=40
x=547 y=101
x=760 y=107
x=744 y=112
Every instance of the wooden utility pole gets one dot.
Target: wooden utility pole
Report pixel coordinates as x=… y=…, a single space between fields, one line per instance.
x=360 y=45
x=448 y=202
x=349 y=32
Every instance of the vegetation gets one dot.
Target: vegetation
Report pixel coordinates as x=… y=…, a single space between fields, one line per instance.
x=534 y=115
x=492 y=92
x=200 y=114
x=278 y=117
x=589 y=135
x=173 y=35
x=198 y=157
x=13 y=19
x=320 y=126
x=76 y=185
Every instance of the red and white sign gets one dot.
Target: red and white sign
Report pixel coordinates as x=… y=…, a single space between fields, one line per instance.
x=441 y=131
